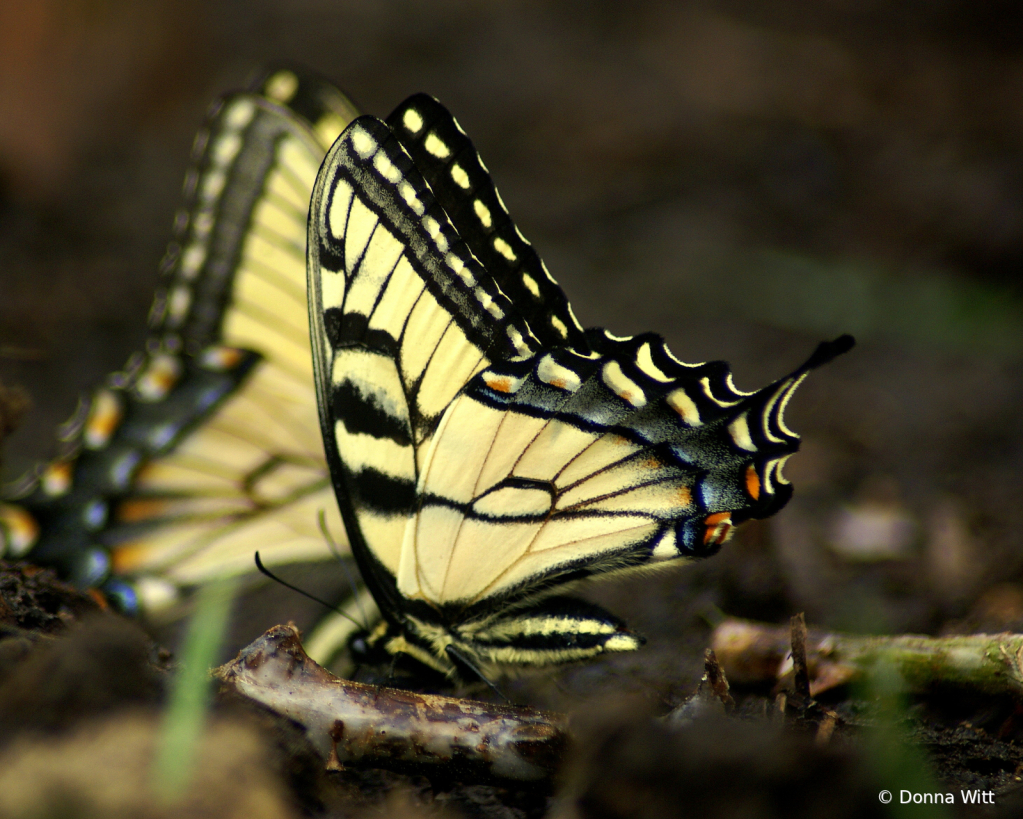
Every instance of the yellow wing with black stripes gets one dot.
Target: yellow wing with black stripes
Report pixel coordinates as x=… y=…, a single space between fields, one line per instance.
x=206 y=447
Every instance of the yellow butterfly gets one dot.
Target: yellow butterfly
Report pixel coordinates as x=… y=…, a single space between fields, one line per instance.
x=486 y=451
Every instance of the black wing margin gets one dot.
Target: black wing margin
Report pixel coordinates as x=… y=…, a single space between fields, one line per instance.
x=452 y=167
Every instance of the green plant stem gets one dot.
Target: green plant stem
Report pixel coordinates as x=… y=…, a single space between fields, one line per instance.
x=191 y=691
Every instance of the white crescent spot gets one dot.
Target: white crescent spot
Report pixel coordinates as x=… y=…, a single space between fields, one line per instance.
x=551 y=372
x=739 y=430
x=623 y=386
x=680 y=401
x=645 y=362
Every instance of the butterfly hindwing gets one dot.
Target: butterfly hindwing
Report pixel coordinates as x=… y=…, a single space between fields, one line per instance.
x=581 y=466
x=67 y=506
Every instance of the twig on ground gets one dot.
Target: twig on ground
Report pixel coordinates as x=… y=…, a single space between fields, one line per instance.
x=715 y=676
x=352 y=722
x=826 y=727
x=756 y=652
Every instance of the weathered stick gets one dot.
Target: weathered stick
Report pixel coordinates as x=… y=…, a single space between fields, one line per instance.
x=349 y=721
x=757 y=653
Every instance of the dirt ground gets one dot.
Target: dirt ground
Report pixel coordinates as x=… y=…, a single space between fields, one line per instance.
x=746 y=178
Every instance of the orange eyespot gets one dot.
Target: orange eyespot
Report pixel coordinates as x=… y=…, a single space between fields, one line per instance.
x=719 y=528
x=752 y=482
x=501 y=383
x=159 y=377
x=221 y=358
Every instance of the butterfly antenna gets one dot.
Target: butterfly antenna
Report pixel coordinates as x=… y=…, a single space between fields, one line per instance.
x=459 y=659
x=321 y=519
x=264 y=570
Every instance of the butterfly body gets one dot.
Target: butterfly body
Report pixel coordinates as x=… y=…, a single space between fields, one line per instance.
x=486 y=452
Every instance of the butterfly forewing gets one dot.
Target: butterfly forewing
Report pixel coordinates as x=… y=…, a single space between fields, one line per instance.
x=402 y=316
x=258 y=459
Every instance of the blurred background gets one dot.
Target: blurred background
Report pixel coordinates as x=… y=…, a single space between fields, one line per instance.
x=745 y=177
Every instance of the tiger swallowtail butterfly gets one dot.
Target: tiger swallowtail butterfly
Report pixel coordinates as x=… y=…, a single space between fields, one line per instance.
x=485 y=450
